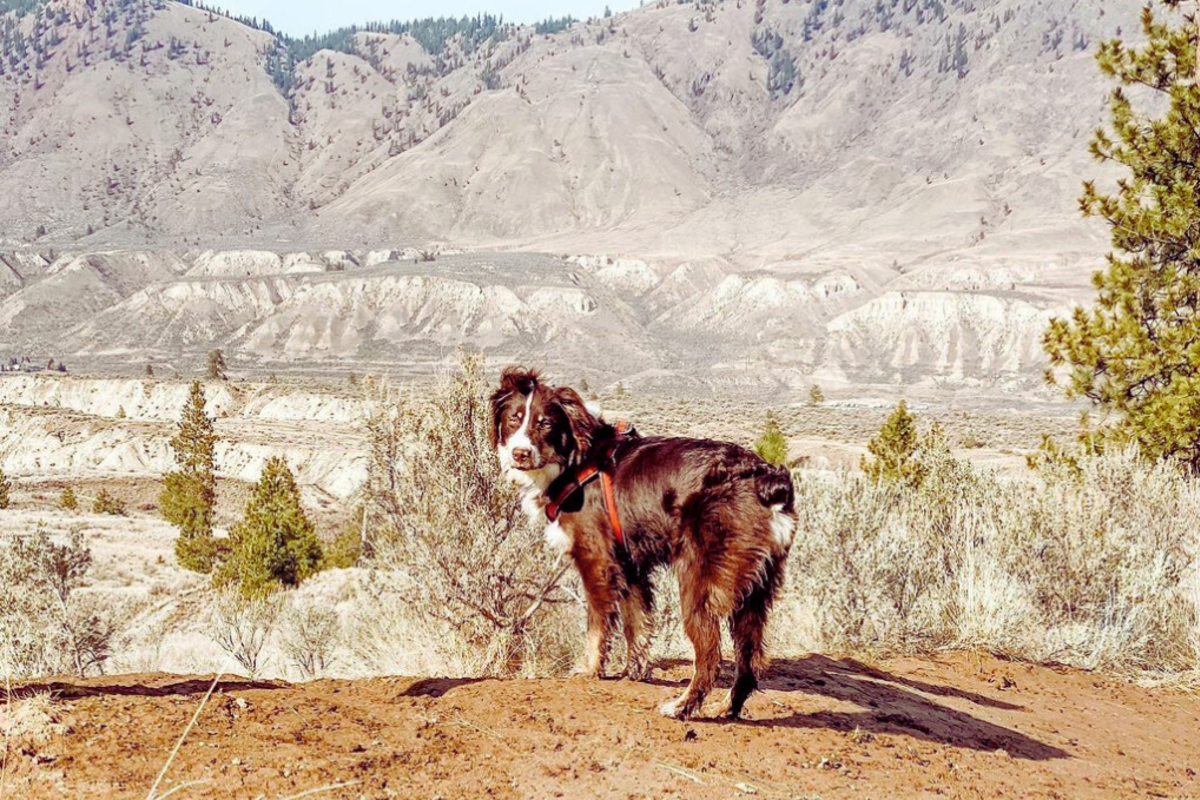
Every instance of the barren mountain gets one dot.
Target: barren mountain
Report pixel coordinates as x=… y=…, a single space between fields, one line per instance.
x=857 y=191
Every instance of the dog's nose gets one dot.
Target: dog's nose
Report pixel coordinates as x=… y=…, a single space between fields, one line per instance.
x=522 y=455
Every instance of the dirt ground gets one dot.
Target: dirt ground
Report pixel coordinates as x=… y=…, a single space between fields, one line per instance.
x=960 y=726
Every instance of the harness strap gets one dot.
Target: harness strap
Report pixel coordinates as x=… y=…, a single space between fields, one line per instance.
x=584 y=476
x=610 y=505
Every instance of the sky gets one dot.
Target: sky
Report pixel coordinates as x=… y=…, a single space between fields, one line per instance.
x=301 y=17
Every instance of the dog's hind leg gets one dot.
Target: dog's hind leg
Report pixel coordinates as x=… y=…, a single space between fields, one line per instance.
x=637 y=610
x=747 y=626
x=704 y=629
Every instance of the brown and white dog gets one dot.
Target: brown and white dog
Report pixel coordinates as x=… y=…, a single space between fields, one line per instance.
x=718 y=514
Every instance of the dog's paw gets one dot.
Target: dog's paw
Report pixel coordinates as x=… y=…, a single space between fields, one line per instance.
x=637 y=672
x=679 y=708
x=584 y=672
x=725 y=710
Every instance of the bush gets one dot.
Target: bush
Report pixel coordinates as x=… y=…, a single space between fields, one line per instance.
x=344 y=551
x=772 y=446
x=5 y=491
x=107 y=503
x=67 y=499
x=1095 y=568
x=455 y=556
x=275 y=544
x=47 y=626
x=310 y=635
x=901 y=454
x=243 y=625
x=815 y=395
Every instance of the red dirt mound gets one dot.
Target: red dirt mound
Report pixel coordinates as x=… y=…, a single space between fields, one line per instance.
x=963 y=726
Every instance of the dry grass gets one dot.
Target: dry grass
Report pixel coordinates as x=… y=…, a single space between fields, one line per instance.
x=454 y=556
x=1097 y=570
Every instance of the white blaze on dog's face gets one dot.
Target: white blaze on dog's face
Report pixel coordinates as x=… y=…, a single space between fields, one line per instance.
x=538 y=430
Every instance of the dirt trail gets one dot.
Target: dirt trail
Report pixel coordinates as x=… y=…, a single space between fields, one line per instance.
x=955 y=727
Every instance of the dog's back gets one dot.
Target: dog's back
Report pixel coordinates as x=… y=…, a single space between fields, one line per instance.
x=724 y=519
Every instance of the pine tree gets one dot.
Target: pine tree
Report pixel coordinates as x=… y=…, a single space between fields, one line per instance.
x=216 y=366
x=189 y=493
x=815 y=395
x=895 y=449
x=106 y=503
x=149 y=370
x=67 y=499
x=275 y=544
x=5 y=489
x=1136 y=353
x=772 y=445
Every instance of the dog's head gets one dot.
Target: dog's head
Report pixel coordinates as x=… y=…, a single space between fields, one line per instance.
x=538 y=429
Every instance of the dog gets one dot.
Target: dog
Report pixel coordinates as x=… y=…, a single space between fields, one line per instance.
x=622 y=505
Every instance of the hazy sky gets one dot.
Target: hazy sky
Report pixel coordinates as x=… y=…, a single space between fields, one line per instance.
x=299 y=17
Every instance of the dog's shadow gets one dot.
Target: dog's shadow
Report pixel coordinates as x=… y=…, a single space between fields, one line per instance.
x=888 y=704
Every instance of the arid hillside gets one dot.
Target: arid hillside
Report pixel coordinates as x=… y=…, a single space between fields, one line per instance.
x=879 y=134
x=688 y=327
x=747 y=193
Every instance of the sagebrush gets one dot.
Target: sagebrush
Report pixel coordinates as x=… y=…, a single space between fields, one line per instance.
x=450 y=543
x=1094 y=566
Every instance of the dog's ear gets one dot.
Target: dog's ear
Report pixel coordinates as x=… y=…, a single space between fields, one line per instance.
x=583 y=425
x=513 y=380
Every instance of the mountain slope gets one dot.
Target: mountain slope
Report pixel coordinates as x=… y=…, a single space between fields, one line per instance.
x=907 y=127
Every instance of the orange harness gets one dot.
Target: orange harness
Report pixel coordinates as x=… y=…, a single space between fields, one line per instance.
x=573 y=483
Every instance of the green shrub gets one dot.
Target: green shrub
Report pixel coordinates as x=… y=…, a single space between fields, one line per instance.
x=903 y=455
x=107 y=503
x=275 y=544
x=67 y=499
x=345 y=549
x=772 y=445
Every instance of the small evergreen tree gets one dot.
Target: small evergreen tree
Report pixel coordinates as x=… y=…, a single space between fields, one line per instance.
x=894 y=449
x=815 y=395
x=149 y=370
x=5 y=489
x=1135 y=352
x=275 y=544
x=216 y=366
x=121 y=412
x=67 y=499
x=772 y=445
x=190 y=493
x=106 y=503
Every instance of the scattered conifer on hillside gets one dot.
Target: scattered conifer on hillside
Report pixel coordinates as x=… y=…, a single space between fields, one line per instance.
x=189 y=493
x=216 y=366
x=772 y=444
x=67 y=499
x=106 y=503
x=275 y=544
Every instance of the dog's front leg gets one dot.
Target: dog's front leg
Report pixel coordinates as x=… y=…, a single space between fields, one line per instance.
x=601 y=620
x=603 y=612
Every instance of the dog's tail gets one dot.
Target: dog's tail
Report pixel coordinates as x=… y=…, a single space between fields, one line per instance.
x=776 y=492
